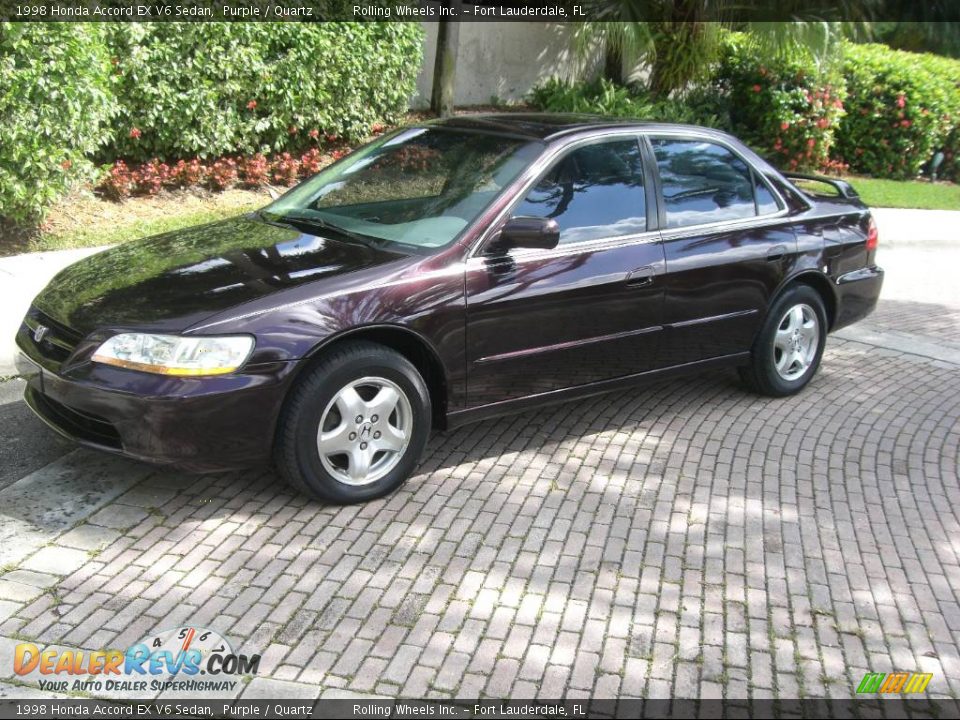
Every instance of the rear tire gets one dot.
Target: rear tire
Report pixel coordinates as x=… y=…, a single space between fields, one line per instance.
x=354 y=426
x=787 y=351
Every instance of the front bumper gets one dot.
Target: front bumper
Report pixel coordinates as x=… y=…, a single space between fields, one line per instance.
x=199 y=424
x=857 y=295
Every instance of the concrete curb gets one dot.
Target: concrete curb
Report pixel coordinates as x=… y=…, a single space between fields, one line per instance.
x=21 y=278
x=901 y=227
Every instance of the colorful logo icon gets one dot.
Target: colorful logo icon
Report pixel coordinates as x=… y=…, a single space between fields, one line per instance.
x=893 y=683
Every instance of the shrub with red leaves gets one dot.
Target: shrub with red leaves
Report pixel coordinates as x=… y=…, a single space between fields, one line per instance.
x=151 y=177
x=119 y=182
x=285 y=170
x=834 y=167
x=186 y=174
x=311 y=162
x=254 y=170
x=222 y=174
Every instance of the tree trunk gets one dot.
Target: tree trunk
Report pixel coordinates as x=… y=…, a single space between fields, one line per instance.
x=658 y=85
x=445 y=65
x=613 y=64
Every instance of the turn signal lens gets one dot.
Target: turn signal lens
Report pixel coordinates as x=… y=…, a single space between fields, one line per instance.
x=873 y=237
x=175 y=355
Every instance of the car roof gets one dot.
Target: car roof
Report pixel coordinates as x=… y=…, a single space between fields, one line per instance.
x=548 y=126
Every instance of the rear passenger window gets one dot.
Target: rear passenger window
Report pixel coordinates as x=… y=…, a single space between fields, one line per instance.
x=705 y=183
x=594 y=192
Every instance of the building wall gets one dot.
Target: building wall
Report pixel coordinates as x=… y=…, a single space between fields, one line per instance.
x=502 y=60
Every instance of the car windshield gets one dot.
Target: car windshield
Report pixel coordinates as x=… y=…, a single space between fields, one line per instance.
x=420 y=187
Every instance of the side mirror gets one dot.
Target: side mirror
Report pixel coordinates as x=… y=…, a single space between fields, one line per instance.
x=529 y=232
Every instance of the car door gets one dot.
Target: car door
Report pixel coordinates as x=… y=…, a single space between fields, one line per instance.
x=727 y=245
x=589 y=309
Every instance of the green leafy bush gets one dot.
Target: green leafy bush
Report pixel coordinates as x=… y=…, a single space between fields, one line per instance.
x=212 y=88
x=951 y=152
x=55 y=107
x=948 y=70
x=604 y=97
x=785 y=106
x=71 y=93
x=903 y=107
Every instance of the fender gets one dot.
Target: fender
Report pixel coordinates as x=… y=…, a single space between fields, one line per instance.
x=372 y=327
x=819 y=281
x=436 y=374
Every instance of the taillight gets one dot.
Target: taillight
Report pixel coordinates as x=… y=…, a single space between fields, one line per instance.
x=873 y=237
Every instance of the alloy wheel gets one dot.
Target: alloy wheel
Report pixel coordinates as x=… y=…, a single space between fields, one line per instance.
x=796 y=341
x=364 y=430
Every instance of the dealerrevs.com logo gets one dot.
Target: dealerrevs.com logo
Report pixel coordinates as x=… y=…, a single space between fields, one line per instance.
x=170 y=660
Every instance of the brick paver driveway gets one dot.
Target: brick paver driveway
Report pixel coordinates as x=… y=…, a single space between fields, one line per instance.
x=687 y=539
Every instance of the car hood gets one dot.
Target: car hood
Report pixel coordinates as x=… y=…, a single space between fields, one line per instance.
x=172 y=281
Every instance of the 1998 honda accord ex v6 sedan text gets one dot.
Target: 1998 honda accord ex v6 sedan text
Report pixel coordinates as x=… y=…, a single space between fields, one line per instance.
x=445 y=273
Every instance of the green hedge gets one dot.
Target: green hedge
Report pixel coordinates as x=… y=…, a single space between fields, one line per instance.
x=72 y=93
x=784 y=106
x=902 y=108
x=212 y=88
x=56 y=102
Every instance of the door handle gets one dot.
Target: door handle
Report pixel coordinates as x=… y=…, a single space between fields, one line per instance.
x=776 y=253
x=641 y=276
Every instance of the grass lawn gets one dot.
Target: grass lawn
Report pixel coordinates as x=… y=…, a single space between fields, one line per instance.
x=83 y=220
x=907 y=193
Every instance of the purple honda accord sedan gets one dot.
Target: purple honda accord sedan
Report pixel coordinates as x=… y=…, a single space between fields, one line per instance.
x=445 y=273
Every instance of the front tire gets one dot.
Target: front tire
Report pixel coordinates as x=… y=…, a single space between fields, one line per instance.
x=355 y=426
x=787 y=352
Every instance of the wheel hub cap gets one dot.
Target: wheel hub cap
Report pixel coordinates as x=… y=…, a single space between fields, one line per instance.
x=796 y=341
x=364 y=430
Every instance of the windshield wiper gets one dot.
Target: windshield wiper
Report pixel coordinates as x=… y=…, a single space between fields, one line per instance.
x=315 y=223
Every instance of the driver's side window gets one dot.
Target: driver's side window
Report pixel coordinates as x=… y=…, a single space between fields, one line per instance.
x=593 y=192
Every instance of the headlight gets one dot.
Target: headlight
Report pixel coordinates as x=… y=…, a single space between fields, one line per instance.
x=175 y=355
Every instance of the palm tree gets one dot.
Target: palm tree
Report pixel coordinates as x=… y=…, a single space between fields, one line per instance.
x=942 y=38
x=679 y=40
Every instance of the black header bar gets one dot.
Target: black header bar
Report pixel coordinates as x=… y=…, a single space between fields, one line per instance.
x=564 y=11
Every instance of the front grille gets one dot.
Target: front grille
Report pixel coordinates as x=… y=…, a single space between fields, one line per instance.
x=81 y=425
x=58 y=341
